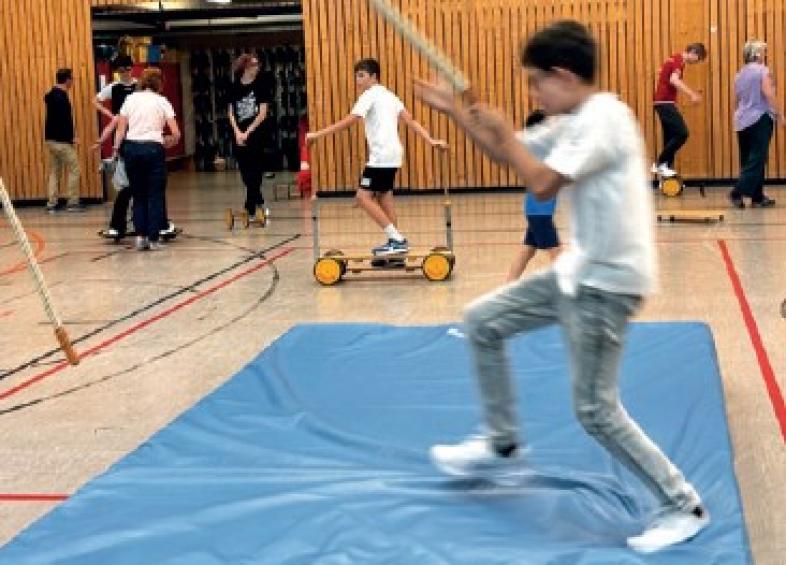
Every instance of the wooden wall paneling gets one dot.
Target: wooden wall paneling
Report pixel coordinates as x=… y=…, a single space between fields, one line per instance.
x=438 y=15
x=415 y=150
x=767 y=7
x=327 y=147
x=360 y=39
x=736 y=22
x=470 y=36
x=778 y=66
x=423 y=112
x=347 y=89
x=635 y=37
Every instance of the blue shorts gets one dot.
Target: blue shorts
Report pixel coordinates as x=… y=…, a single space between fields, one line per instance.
x=541 y=232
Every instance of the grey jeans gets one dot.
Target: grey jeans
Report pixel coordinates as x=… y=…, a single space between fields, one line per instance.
x=594 y=324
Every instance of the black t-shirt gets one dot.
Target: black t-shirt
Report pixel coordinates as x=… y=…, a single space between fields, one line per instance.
x=59 y=118
x=120 y=92
x=246 y=100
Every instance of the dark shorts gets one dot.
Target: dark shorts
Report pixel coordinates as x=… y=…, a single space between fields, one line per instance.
x=541 y=232
x=377 y=179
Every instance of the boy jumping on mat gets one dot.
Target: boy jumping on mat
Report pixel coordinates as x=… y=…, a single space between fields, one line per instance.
x=675 y=131
x=596 y=153
x=381 y=111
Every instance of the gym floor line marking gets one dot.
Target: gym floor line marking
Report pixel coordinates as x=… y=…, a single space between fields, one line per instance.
x=105 y=255
x=39 y=244
x=182 y=290
x=128 y=370
x=767 y=373
x=144 y=323
x=32 y=497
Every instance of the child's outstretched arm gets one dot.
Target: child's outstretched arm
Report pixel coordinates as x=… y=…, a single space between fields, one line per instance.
x=412 y=123
x=106 y=132
x=340 y=125
x=494 y=135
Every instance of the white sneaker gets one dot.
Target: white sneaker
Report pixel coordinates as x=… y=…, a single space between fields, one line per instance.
x=168 y=230
x=142 y=243
x=156 y=245
x=655 y=169
x=473 y=457
x=665 y=171
x=670 y=528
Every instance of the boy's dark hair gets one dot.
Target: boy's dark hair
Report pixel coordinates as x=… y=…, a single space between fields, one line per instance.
x=64 y=75
x=565 y=44
x=371 y=66
x=123 y=62
x=534 y=118
x=698 y=49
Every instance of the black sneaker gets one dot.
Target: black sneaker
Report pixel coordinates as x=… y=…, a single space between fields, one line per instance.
x=767 y=202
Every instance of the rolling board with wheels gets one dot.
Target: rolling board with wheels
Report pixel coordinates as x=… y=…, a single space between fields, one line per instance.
x=701 y=216
x=674 y=186
x=436 y=264
x=233 y=218
x=671 y=186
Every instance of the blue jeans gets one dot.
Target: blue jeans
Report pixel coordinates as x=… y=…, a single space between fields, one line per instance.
x=146 y=169
x=594 y=324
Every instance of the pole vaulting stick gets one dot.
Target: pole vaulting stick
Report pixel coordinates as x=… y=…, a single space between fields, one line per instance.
x=431 y=52
x=38 y=277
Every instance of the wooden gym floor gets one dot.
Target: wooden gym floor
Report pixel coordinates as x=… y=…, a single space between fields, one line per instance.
x=165 y=328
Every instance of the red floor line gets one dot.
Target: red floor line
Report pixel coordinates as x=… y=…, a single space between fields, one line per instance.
x=143 y=324
x=7 y=497
x=774 y=391
x=39 y=244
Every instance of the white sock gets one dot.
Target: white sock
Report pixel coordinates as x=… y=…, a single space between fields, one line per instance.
x=393 y=233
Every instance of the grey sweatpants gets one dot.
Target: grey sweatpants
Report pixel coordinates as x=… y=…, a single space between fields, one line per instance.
x=594 y=323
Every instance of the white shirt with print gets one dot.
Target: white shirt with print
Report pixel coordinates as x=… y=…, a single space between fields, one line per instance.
x=380 y=111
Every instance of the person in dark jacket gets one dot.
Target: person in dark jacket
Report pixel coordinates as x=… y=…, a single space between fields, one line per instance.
x=61 y=142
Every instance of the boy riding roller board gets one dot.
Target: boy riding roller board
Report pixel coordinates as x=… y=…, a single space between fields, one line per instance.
x=593 y=149
x=381 y=110
x=675 y=131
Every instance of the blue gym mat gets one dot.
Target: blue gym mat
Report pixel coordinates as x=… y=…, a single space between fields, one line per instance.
x=316 y=453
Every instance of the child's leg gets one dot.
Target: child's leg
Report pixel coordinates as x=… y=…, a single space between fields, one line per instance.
x=120 y=211
x=55 y=172
x=365 y=199
x=595 y=323
x=554 y=253
x=518 y=307
x=524 y=255
x=387 y=205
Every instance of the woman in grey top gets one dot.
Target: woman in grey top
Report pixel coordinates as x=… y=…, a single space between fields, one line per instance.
x=754 y=118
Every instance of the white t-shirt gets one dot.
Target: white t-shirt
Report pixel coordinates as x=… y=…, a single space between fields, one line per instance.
x=380 y=109
x=600 y=147
x=147 y=113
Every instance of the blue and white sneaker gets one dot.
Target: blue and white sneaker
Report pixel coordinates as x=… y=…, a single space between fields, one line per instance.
x=392 y=247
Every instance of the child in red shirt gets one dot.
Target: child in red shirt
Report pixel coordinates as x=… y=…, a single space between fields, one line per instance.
x=675 y=132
